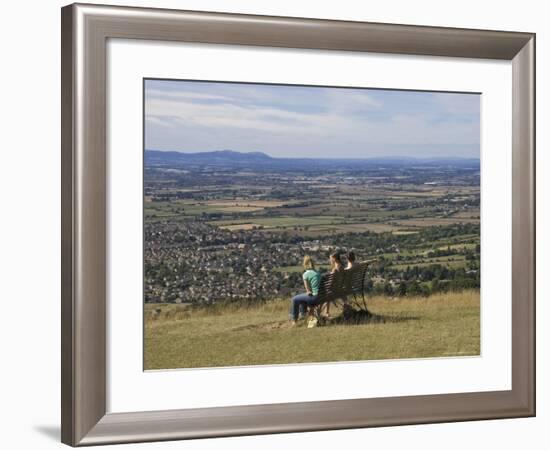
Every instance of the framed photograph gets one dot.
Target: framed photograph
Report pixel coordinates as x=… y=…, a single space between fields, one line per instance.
x=277 y=224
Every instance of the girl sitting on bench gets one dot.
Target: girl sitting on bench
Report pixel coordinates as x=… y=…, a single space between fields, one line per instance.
x=335 y=266
x=312 y=280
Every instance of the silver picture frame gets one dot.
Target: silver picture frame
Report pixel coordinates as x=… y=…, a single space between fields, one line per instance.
x=85 y=31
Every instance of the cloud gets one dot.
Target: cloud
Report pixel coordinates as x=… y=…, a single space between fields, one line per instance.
x=309 y=121
x=158 y=93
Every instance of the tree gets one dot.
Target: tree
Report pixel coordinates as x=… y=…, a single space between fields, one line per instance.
x=402 y=289
x=414 y=288
x=388 y=290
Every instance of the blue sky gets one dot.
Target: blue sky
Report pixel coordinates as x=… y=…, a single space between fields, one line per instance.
x=318 y=122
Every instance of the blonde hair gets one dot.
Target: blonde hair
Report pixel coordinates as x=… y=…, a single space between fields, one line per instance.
x=308 y=263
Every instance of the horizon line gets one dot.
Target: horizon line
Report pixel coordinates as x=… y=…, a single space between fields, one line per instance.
x=257 y=152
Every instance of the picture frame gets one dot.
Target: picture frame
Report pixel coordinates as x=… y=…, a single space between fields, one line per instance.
x=85 y=31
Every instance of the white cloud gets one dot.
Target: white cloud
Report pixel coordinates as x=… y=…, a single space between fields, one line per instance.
x=183 y=95
x=239 y=116
x=346 y=121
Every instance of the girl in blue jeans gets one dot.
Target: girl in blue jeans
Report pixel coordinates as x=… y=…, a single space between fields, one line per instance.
x=312 y=280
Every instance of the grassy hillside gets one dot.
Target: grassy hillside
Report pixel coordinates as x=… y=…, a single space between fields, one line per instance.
x=177 y=336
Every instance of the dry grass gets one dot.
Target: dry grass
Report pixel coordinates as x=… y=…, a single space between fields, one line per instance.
x=179 y=336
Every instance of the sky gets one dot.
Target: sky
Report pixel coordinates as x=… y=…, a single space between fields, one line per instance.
x=309 y=122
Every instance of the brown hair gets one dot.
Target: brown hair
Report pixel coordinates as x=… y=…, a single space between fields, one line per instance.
x=351 y=256
x=335 y=260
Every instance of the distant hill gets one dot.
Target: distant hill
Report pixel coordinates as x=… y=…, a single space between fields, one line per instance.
x=219 y=156
x=232 y=158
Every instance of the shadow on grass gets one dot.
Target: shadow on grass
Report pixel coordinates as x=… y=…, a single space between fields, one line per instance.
x=364 y=317
x=352 y=317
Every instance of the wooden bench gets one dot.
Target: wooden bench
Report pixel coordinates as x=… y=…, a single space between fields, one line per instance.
x=347 y=284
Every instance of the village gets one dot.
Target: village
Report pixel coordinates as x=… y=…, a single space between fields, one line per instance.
x=225 y=229
x=197 y=263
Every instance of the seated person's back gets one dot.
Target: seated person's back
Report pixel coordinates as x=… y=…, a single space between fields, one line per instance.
x=313 y=278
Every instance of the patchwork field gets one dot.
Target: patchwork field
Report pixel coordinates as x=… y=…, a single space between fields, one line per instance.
x=325 y=209
x=231 y=229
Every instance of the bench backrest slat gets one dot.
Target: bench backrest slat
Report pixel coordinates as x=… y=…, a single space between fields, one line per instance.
x=343 y=283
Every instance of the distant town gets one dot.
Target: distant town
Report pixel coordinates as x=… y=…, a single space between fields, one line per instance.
x=227 y=226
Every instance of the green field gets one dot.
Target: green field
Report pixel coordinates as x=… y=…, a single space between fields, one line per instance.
x=178 y=336
x=326 y=211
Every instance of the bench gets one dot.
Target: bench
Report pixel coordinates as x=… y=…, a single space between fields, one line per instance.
x=348 y=284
